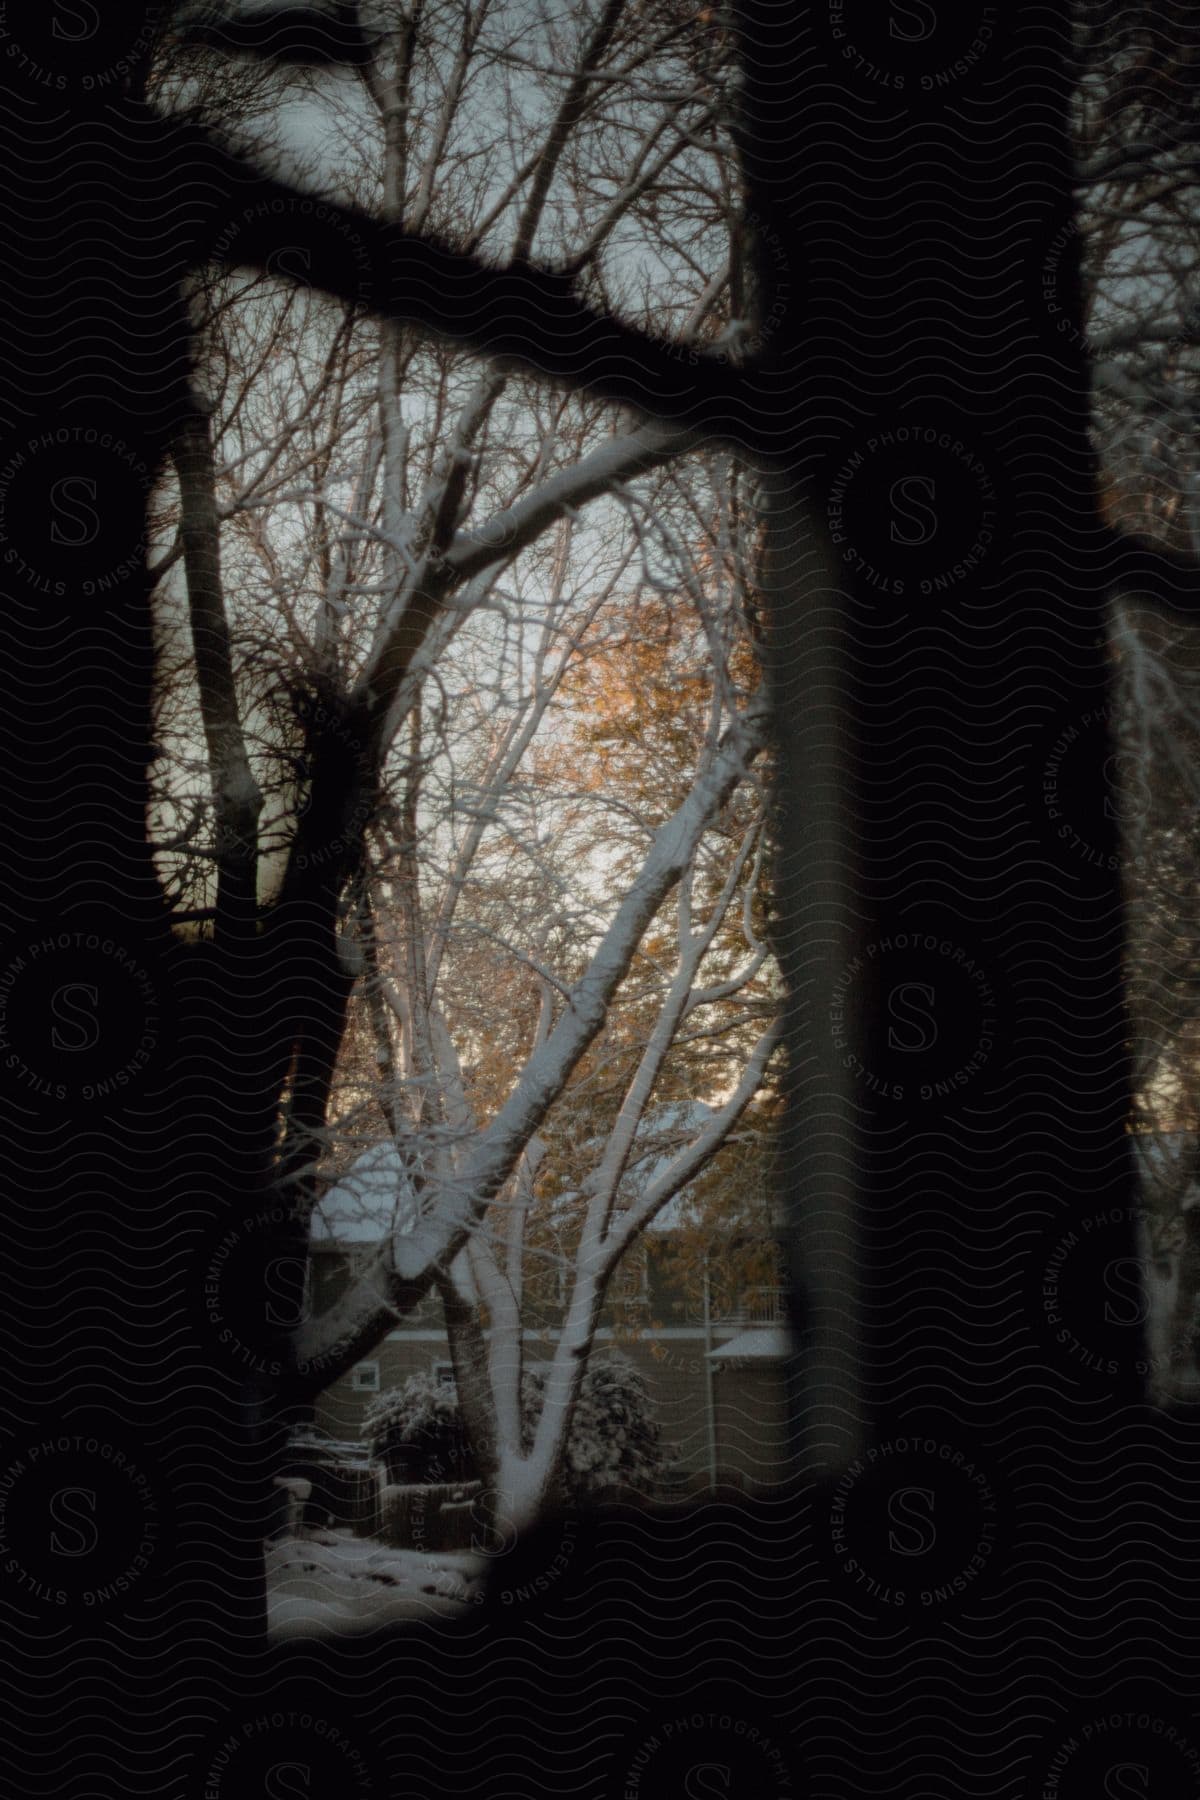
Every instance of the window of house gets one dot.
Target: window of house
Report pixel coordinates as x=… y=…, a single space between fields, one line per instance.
x=632 y=1284
x=364 y=1377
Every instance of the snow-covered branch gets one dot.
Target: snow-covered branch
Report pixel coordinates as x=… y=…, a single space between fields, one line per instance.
x=472 y=555
x=406 y=1264
x=622 y=459
x=689 y=1161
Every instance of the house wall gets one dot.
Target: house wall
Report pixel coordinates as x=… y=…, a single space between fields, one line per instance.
x=673 y=1367
x=662 y=1337
x=752 y=1425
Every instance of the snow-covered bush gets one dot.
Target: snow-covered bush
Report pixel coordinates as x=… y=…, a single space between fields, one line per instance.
x=416 y=1427
x=615 y=1441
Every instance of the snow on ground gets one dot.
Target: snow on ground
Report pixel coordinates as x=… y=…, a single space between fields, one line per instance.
x=321 y=1582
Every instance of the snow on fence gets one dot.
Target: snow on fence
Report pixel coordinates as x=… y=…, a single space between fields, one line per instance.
x=429 y=1515
x=343 y=1494
x=298 y=1492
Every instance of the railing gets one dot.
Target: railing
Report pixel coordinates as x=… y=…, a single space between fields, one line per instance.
x=761 y=1306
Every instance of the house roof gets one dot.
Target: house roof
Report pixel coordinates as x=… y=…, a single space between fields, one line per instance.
x=1163 y=1158
x=660 y=1138
x=375 y=1197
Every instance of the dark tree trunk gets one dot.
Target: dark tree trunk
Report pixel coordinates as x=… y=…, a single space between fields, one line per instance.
x=140 y=1073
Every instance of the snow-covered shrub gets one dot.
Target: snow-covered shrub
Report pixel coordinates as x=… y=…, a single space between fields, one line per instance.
x=415 y=1428
x=615 y=1441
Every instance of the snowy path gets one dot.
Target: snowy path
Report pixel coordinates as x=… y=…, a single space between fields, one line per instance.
x=324 y=1582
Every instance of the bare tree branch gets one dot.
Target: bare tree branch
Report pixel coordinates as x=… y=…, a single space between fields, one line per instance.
x=520 y=316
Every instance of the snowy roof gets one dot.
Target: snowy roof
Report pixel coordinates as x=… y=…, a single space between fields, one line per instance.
x=760 y=1343
x=676 y=1123
x=1163 y=1156
x=372 y=1198
x=659 y=1140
